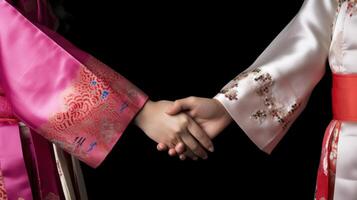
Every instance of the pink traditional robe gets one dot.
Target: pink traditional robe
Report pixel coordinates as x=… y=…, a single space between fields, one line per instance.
x=53 y=90
x=265 y=99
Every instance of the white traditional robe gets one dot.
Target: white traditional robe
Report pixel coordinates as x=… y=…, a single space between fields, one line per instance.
x=265 y=99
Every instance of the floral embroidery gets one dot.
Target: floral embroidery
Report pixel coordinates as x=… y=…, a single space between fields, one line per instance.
x=327 y=167
x=286 y=116
x=264 y=82
x=230 y=90
x=282 y=115
x=260 y=115
x=104 y=94
x=351 y=6
x=264 y=78
x=3 y=195
x=93 y=83
x=268 y=101
x=333 y=158
x=278 y=112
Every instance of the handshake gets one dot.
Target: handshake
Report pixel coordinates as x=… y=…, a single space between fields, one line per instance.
x=184 y=127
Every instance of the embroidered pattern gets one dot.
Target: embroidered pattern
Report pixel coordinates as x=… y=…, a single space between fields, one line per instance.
x=230 y=90
x=3 y=195
x=351 y=6
x=327 y=167
x=263 y=82
x=280 y=113
x=260 y=115
x=89 y=108
x=95 y=110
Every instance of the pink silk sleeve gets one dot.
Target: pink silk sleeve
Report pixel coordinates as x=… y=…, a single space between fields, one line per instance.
x=63 y=93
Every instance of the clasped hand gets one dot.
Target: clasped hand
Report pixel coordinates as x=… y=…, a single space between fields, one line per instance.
x=184 y=127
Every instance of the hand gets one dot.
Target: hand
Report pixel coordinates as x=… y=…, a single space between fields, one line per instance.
x=210 y=114
x=178 y=131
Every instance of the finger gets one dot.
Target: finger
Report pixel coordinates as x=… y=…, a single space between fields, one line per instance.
x=200 y=135
x=179 y=106
x=172 y=152
x=161 y=147
x=180 y=148
x=193 y=145
x=190 y=154
x=182 y=157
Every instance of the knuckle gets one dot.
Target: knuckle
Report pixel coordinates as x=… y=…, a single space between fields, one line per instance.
x=176 y=102
x=200 y=137
x=177 y=130
x=191 y=99
x=171 y=138
x=184 y=121
x=193 y=113
x=196 y=148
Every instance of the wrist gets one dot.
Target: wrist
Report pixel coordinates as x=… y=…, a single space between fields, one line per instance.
x=143 y=113
x=226 y=118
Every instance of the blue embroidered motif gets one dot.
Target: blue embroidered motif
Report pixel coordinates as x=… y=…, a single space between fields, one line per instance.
x=92 y=146
x=105 y=94
x=93 y=82
x=123 y=107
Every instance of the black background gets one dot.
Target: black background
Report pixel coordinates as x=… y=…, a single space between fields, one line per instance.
x=176 y=49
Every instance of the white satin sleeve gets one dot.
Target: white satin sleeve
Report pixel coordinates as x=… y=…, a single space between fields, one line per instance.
x=268 y=96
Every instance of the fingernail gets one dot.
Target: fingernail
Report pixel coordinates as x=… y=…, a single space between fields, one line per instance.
x=211 y=149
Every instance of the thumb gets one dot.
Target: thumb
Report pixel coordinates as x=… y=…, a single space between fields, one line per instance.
x=179 y=106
